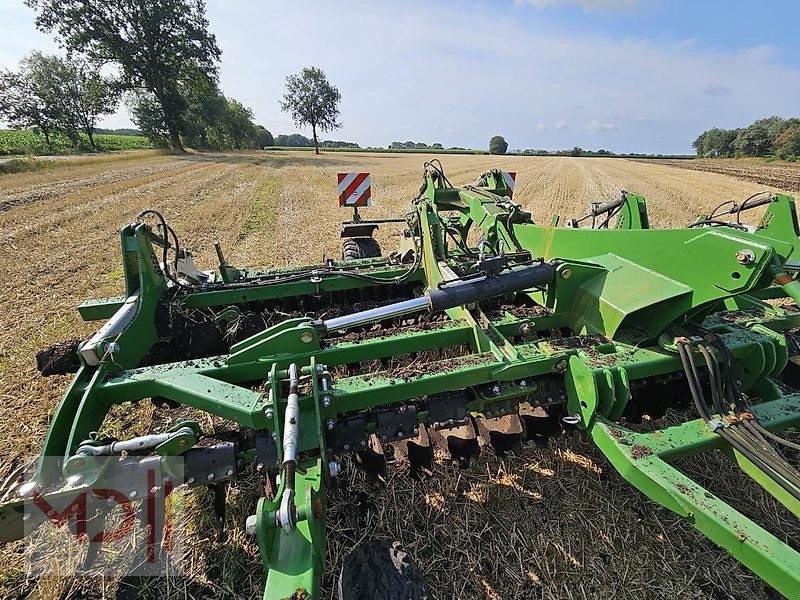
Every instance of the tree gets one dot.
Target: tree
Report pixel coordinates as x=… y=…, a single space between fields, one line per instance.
x=153 y=42
x=576 y=151
x=21 y=106
x=436 y=146
x=498 y=145
x=787 y=144
x=263 y=138
x=57 y=94
x=312 y=100
x=149 y=118
x=752 y=141
x=716 y=142
x=295 y=140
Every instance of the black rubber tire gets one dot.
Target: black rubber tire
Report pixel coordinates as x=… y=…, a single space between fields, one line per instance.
x=361 y=247
x=381 y=570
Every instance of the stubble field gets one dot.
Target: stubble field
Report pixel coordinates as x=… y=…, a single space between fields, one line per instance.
x=553 y=522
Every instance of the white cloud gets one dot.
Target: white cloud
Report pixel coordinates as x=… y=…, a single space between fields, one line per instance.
x=654 y=92
x=595 y=126
x=586 y=5
x=540 y=127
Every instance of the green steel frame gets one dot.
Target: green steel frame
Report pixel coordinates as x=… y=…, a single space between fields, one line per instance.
x=619 y=288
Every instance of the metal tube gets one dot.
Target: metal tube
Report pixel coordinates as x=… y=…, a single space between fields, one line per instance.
x=286 y=516
x=290 y=419
x=372 y=315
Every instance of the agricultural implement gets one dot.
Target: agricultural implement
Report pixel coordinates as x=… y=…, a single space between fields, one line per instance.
x=482 y=329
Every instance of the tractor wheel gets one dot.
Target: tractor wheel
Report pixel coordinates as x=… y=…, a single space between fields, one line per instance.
x=361 y=247
x=381 y=570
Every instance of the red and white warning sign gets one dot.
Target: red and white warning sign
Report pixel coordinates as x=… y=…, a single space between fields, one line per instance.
x=355 y=189
x=510 y=178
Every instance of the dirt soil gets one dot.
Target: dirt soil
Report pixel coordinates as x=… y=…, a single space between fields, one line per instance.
x=781 y=175
x=553 y=522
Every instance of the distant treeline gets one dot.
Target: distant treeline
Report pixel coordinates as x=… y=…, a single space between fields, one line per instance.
x=297 y=140
x=771 y=136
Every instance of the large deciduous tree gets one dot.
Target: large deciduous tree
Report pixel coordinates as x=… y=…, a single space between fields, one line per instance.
x=21 y=107
x=498 y=145
x=56 y=94
x=312 y=101
x=153 y=42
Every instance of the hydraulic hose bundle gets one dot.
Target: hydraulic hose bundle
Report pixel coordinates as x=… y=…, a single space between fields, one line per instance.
x=730 y=418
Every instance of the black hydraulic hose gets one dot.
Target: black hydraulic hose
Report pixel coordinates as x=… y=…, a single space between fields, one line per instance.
x=716 y=379
x=767 y=464
x=718 y=223
x=166 y=231
x=771 y=468
x=775 y=438
x=694 y=384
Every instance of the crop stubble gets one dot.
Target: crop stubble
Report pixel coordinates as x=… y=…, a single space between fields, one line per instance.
x=553 y=522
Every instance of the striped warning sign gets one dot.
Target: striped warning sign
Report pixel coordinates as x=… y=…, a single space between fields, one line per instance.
x=355 y=189
x=510 y=177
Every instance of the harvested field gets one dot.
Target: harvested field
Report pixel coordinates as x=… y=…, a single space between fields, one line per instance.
x=769 y=175
x=553 y=522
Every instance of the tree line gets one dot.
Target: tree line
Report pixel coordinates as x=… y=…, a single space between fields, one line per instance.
x=771 y=136
x=165 y=65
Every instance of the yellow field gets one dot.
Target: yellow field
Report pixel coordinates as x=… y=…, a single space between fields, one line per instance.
x=551 y=523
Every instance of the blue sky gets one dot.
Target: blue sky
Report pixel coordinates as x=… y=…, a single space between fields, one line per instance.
x=627 y=75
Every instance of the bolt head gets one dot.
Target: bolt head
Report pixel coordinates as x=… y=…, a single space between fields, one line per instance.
x=326 y=401
x=229 y=472
x=566 y=274
x=306 y=337
x=745 y=257
x=269 y=413
x=210 y=476
x=133 y=494
x=523 y=383
x=561 y=365
x=190 y=481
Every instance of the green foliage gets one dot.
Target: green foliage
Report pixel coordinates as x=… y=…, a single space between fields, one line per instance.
x=14 y=141
x=498 y=145
x=760 y=138
x=56 y=95
x=716 y=142
x=294 y=140
x=312 y=100
x=149 y=117
x=155 y=43
x=787 y=144
x=264 y=138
